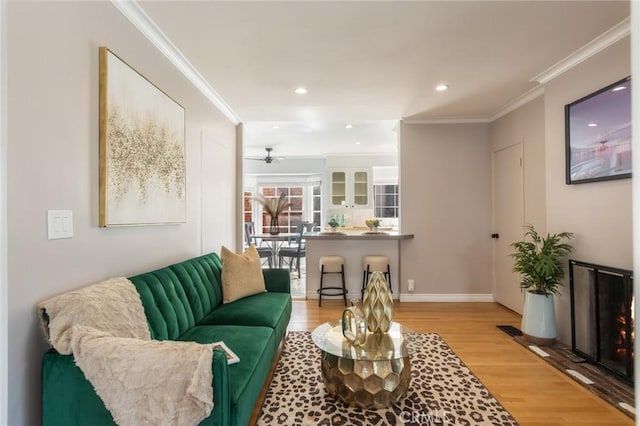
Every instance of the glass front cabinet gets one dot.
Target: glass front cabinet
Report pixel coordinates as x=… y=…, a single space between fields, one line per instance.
x=338 y=187
x=351 y=188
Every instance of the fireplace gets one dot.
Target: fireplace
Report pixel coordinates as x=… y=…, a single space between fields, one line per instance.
x=602 y=318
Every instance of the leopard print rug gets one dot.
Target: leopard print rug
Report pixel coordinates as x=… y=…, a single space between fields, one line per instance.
x=443 y=392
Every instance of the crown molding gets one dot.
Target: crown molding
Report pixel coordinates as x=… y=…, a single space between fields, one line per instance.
x=143 y=22
x=598 y=44
x=453 y=298
x=139 y=18
x=356 y=154
x=521 y=100
x=449 y=120
x=518 y=102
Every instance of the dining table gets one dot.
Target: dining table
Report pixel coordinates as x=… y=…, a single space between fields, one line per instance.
x=274 y=242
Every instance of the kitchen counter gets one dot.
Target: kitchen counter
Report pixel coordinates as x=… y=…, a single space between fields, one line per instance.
x=358 y=235
x=353 y=244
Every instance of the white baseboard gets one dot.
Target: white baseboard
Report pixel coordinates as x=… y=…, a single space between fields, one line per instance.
x=413 y=297
x=314 y=296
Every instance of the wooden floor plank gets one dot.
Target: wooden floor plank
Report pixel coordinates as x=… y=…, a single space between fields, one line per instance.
x=534 y=392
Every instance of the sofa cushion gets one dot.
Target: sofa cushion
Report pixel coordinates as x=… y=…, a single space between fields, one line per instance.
x=265 y=309
x=241 y=274
x=175 y=298
x=255 y=346
x=201 y=278
x=277 y=280
x=166 y=306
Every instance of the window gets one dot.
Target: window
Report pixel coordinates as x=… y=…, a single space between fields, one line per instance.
x=317 y=205
x=248 y=212
x=287 y=219
x=386 y=201
x=303 y=192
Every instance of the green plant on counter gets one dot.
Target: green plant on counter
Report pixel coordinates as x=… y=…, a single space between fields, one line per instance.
x=372 y=223
x=333 y=223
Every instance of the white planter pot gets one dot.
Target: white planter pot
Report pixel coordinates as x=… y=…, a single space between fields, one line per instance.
x=539 y=319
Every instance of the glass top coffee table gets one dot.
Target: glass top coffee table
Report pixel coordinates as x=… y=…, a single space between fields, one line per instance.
x=376 y=374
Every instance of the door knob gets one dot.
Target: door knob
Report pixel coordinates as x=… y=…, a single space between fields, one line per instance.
x=495 y=235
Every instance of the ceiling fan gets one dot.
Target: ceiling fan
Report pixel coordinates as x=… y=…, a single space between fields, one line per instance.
x=268 y=159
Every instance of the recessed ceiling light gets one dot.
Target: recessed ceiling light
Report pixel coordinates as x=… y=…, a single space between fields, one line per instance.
x=618 y=88
x=441 y=87
x=301 y=90
x=275 y=126
x=348 y=126
x=592 y=124
x=357 y=143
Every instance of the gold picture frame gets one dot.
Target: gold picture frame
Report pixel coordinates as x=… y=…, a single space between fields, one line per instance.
x=142 y=149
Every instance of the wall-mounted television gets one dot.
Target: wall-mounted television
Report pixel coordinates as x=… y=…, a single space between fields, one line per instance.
x=598 y=135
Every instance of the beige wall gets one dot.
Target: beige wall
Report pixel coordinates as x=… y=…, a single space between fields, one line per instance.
x=598 y=213
x=53 y=164
x=4 y=331
x=445 y=181
x=526 y=125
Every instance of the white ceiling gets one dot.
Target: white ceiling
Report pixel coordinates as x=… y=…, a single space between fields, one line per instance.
x=366 y=61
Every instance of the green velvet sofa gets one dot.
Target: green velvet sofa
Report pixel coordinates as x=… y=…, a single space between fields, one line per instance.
x=184 y=302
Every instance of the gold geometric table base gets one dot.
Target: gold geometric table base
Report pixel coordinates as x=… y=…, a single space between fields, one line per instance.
x=366 y=384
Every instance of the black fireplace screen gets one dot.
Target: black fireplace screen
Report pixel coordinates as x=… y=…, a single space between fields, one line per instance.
x=602 y=316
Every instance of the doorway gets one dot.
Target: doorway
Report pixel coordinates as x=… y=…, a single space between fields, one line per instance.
x=508 y=193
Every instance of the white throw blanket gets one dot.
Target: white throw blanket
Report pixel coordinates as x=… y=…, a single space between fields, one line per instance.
x=140 y=381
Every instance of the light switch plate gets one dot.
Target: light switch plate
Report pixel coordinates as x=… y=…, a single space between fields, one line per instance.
x=60 y=224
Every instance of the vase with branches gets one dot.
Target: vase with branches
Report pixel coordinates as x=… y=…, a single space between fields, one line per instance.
x=273 y=206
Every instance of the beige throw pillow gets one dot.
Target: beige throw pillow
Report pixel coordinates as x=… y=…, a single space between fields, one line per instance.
x=241 y=274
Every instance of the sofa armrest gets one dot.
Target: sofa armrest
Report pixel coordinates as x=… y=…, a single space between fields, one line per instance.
x=277 y=280
x=221 y=393
x=68 y=398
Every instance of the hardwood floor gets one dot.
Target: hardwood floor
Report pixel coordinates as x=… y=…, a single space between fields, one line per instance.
x=534 y=392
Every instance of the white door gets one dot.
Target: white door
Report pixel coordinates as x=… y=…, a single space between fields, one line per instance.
x=508 y=214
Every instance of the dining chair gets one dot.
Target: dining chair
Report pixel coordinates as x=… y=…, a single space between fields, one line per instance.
x=264 y=252
x=298 y=249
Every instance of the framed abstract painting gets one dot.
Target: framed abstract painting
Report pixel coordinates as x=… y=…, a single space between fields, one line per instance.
x=142 y=149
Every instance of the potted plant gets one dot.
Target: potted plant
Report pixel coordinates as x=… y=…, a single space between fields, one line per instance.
x=540 y=262
x=273 y=207
x=333 y=223
x=372 y=224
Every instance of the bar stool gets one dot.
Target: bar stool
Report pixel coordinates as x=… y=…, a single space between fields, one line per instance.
x=373 y=263
x=332 y=265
